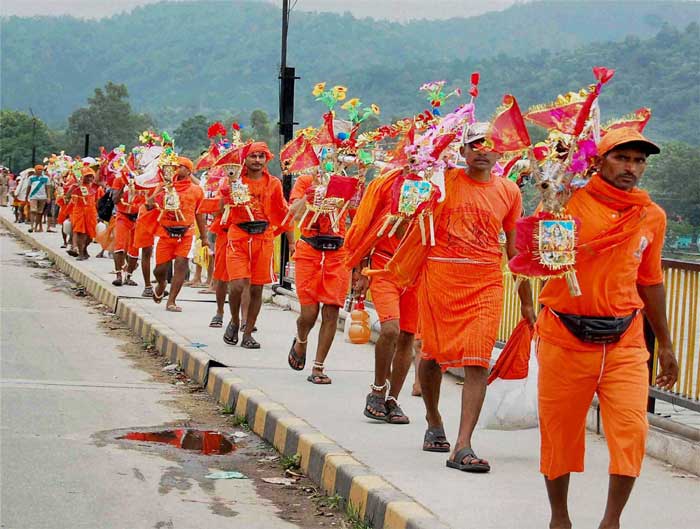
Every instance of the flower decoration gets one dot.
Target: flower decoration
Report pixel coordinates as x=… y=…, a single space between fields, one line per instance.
x=216 y=129
x=375 y=109
x=437 y=95
x=340 y=92
x=330 y=97
x=356 y=113
x=319 y=88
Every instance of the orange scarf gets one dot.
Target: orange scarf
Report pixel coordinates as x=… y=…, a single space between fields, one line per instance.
x=633 y=207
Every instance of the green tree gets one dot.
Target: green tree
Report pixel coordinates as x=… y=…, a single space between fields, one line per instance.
x=191 y=136
x=17 y=129
x=108 y=119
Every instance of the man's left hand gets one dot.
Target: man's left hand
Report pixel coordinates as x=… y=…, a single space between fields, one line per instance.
x=669 y=369
x=528 y=313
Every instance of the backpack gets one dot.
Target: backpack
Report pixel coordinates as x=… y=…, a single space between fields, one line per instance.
x=105 y=207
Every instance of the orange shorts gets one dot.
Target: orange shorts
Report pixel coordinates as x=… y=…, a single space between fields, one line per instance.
x=145 y=229
x=250 y=259
x=84 y=220
x=220 y=267
x=320 y=277
x=168 y=248
x=393 y=302
x=124 y=235
x=568 y=378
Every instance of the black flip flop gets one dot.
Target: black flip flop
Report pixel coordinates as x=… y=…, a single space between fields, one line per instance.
x=217 y=321
x=231 y=334
x=435 y=436
x=319 y=379
x=378 y=404
x=293 y=357
x=476 y=468
x=395 y=414
x=248 y=342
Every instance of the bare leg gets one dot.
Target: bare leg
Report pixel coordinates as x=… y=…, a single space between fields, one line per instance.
x=384 y=351
x=221 y=288
x=131 y=264
x=237 y=286
x=253 y=309
x=619 y=490
x=401 y=363
x=161 y=274
x=430 y=379
x=558 y=492
x=146 y=254
x=245 y=304
x=179 y=273
x=329 y=326
x=473 y=393
x=417 y=344
x=119 y=258
x=305 y=322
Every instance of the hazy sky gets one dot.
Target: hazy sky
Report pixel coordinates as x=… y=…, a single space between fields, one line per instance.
x=392 y=9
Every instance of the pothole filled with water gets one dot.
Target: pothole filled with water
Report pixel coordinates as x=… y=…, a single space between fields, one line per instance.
x=207 y=442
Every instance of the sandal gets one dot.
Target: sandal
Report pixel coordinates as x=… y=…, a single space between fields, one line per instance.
x=130 y=282
x=319 y=378
x=255 y=329
x=375 y=407
x=118 y=281
x=72 y=252
x=435 y=440
x=147 y=292
x=173 y=308
x=474 y=464
x=248 y=342
x=395 y=414
x=231 y=333
x=158 y=297
x=296 y=362
x=217 y=321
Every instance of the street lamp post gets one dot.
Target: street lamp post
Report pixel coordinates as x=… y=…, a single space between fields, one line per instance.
x=33 y=137
x=286 y=130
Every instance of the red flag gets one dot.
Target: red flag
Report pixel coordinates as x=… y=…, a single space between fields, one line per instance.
x=233 y=156
x=636 y=121
x=507 y=131
x=325 y=134
x=341 y=187
x=298 y=156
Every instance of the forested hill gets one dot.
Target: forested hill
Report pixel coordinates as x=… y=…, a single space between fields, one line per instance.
x=178 y=59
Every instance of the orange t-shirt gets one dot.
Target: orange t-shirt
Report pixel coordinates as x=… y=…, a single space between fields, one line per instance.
x=267 y=203
x=123 y=205
x=323 y=225
x=95 y=193
x=191 y=196
x=472 y=217
x=609 y=279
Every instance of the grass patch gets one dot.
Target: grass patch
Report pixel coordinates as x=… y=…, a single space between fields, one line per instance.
x=291 y=462
x=354 y=520
x=241 y=422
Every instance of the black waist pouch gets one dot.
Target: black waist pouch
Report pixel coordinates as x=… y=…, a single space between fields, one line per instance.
x=176 y=232
x=596 y=329
x=254 y=227
x=131 y=216
x=324 y=243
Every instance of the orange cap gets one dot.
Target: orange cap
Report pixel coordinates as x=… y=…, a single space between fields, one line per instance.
x=183 y=160
x=38 y=168
x=617 y=137
x=87 y=171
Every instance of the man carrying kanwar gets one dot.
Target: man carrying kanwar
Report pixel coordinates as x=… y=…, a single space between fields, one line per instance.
x=396 y=306
x=128 y=201
x=257 y=211
x=594 y=342
x=83 y=196
x=178 y=201
x=460 y=288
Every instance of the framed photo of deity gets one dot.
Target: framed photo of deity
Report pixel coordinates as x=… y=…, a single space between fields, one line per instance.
x=413 y=194
x=557 y=243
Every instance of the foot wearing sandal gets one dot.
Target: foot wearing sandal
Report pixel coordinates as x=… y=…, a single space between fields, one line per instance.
x=231 y=333
x=130 y=282
x=375 y=403
x=158 y=297
x=243 y=328
x=248 y=342
x=295 y=359
x=435 y=440
x=466 y=460
x=394 y=413
x=118 y=280
x=317 y=375
x=147 y=292
x=173 y=308
x=217 y=321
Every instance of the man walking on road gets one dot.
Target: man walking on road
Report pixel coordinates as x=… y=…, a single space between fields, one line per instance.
x=175 y=232
x=37 y=195
x=126 y=255
x=396 y=306
x=594 y=343
x=249 y=249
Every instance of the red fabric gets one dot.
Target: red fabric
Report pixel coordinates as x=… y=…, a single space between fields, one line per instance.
x=250 y=259
x=168 y=248
x=321 y=277
x=513 y=364
x=507 y=131
x=124 y=235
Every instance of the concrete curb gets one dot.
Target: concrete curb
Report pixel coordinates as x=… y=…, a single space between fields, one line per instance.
x=369 y=496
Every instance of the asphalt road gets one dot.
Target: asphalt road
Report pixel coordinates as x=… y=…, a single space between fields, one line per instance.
x=64 y=386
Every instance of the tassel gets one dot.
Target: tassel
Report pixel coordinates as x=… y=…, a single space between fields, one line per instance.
x=303 y=217
x=396 y=226
x=432 y=228
x=421 y=225
x=250 y=213
x=572 y=283
x=224 y=217
x=341 y=214
x=384 y=226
